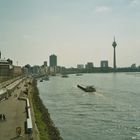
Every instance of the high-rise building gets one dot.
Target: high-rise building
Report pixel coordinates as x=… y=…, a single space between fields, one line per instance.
x=80 y=66
x=104 y=64
x=89 y=65
x=114 y=44
x=6 y=67
x=45 y=63
x=53 y=60
x=133 y=66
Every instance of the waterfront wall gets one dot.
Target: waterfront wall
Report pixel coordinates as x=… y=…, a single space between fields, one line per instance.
x=53 y=132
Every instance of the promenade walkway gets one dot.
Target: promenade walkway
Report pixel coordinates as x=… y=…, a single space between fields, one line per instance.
x=14 y=111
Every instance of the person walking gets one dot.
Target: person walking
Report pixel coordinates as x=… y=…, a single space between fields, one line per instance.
x=4 y=118
x=0 y=116
x=18 y=131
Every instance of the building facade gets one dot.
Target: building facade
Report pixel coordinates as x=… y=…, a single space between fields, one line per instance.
x=89 y=65
x=53 y=60
x=133 y=66
x=45 y=63
x=5 y=68
x=104 y=64
x=80 y=66
x=17 y=71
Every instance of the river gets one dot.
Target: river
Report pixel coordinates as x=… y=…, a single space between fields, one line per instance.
x=111 y=113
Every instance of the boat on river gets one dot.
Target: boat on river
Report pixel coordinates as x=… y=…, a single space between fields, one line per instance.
x=64 y=76
x=87 y=88
x=46 y=78
x=78 y=74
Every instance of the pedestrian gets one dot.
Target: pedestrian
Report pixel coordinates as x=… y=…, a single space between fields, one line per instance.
x=18 y=131
x=4 y=118
x=0 y=116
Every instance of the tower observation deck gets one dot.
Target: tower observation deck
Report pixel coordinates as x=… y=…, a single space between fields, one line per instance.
x=114 y=44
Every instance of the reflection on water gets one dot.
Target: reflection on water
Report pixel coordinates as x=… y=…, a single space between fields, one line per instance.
x=112 y=113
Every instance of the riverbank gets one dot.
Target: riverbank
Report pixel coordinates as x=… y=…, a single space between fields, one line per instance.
x=46 y=127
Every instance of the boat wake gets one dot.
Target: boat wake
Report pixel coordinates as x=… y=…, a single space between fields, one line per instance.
x=99 y=94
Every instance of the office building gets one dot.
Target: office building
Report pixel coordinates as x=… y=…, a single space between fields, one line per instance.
x=45 y=63
x=53 y=60
x=80 y=66
x=104 y=64
x=89 y=65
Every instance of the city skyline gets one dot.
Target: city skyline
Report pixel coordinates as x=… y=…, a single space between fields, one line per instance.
x=76 y=31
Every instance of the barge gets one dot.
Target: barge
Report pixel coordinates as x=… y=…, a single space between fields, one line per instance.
x=87 y=88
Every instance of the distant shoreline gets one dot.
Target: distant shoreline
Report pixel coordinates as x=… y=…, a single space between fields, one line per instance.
x=46 y=127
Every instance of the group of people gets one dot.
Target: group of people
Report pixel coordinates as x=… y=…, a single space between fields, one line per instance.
x=2 y=117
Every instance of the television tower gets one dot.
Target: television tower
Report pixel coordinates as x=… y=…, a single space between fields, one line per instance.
x=114 y=44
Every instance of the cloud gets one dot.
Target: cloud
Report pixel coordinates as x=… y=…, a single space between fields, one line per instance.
x=134 y=2
x=102 y=9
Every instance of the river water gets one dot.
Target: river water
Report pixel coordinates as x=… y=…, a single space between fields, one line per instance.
x=111 y=113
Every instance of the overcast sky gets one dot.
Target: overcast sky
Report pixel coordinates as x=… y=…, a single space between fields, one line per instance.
x=77 y=31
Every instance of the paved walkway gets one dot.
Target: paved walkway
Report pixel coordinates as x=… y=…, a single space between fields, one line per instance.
x=14 y=110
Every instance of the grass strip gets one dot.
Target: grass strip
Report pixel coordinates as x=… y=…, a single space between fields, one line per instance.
x=46 y=127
